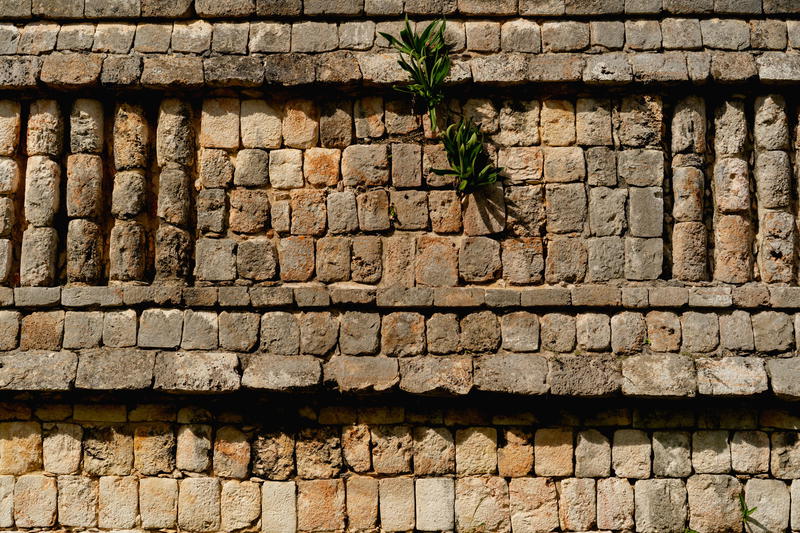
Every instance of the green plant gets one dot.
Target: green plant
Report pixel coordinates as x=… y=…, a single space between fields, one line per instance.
x=425 y=57
x=470 y=164
x=746 y=513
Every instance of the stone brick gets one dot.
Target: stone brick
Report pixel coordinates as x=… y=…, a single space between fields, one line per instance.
x=557 y=332
x=643 y=258
x=35 y=501
x=566 y=260
x=119 y=328
x=436 y=262
x=42 y=197
x=158 y=502
x=231 y=453
x=199 y=504
x=160 y=328
x=278 y=506
x=671 y=454
x=772 y=331
x=21 y=447
x=396 y=504
x=784 y=462
x=320 y=505
x=358 y=333
x=296 y=258
x=615 y=505
x=77 y=501
x=240 y=504
x=193 y=447
x=592 y=454
x=219 y=123
x=131 y=137
x=564 y=36
x=256 y=259
x=42 y=331
x=577 y=503
x=342 y=212
x=484 y=212
x=480 y=332
x=403 y=334
x=631 y=454
x=482 y=500
x=445 y=211
x=770 y=498
x=660 y=504
x=553 y=452
x=479 y=259
x=711 y=452
x=118 y=502
x=731 y=376
x=593 y=332
x=61 y=447
x=750 y=452
x=362 y=501
x=628 y=332
x=533 y=504
x=273 y=456
x=661 y=375
x=434 y=451
x=107 y=450
x=373 y=210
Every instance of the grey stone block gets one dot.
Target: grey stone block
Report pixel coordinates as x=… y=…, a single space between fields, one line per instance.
x=660 y=375
x=115 y=369
x=196 y=372
x=271 y=372
x=38 y=370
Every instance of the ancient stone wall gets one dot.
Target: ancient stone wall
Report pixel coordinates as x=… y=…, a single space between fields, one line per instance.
x=234 y=296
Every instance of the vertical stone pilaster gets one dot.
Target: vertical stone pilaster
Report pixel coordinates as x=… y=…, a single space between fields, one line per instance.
x=84 y=193
x=773 y=177
x=175 y=154
x=733 y=228
x=10 y=125
x=42 y=194
x=689 y=236
x=128 y=240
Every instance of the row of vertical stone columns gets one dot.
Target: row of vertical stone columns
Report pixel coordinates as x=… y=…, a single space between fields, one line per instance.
x=85 y=193
x=10 y=122
x=733 y=228
x=42 y=193
x=773 y=177
x=689 y=237
x=128 y=242
x=175 y=156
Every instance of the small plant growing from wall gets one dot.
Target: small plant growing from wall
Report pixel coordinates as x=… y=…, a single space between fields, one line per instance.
x=470 y=164
x=425 y=58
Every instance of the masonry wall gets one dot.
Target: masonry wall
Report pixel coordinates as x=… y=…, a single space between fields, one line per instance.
x=235 y=297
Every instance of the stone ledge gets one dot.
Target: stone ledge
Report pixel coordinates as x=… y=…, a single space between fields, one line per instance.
x=134 y=9
x=639 y=296
x=644 y=375
x=378 y=69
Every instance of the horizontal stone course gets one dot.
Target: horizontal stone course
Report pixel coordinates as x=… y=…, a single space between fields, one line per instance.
x=617 y=466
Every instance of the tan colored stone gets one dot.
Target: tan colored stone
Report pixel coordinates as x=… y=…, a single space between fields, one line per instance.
x=321 y=505
x=35 y=501
x=391 y=449
x=199 y=504
x=260 y=124
x=300 y=124
x=434 y=451
x=321 y=166
x=153 y=449
x=62 y=448
x=515 y=458
x=577 y=504
x=356 y=447
x=240 y=504
x=318 y=453
x=231 y=453
x=534 y=505
x=476 y=451
x=118 y=502
x=219 y=123
x=482 y=504
x=362 y=502
x=158 y=502
x=20 y=447
x=553 y=452
x=558 y=122
x=77 y=501
x=614 y=504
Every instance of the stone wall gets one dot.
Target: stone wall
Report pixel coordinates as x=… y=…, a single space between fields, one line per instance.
x=228 y=199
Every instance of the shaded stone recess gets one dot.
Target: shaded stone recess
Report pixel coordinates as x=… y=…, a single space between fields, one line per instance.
x=253 y=191
x=321 y=464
